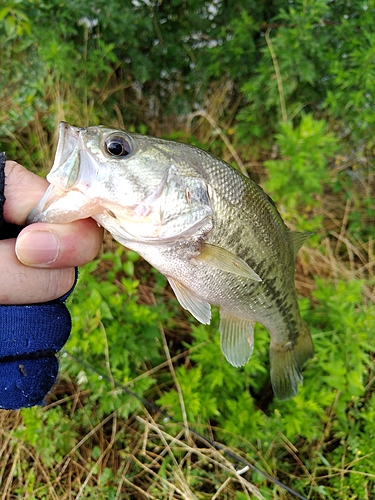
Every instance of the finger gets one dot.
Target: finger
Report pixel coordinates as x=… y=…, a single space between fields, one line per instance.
x=29 y=285
x=59 y=245
x=23 y=190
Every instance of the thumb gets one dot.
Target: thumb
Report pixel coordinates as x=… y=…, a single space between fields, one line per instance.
x=29 y=285
x=59 y=245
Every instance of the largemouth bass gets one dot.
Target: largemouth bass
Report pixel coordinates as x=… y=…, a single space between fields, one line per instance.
x=215 y=235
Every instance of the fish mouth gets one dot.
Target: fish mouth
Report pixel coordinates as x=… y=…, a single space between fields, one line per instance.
x=59 y=207
x=64 y=201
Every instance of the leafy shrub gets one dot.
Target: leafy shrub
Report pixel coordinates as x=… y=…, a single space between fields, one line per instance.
x=107 y=319
x=301 y=172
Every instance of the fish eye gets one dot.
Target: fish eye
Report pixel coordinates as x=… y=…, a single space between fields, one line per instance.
x=118 y=145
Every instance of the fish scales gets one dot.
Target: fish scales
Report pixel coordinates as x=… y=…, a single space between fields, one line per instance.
x=248 y=237
x=213 y=232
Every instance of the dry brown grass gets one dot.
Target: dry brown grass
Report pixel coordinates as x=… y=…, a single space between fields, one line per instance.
x=147 y=461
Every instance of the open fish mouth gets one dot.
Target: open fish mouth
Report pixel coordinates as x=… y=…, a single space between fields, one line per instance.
x=64 y=201
x=59 y=207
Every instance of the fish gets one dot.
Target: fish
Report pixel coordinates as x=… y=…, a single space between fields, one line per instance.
x=213 y=232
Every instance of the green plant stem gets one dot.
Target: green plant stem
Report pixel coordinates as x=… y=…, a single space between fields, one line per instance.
x=284 y=114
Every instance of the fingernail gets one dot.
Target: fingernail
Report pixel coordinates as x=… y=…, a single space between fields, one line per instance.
x=37 y=248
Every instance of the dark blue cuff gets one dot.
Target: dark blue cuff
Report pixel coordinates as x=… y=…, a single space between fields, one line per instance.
x=30 y=337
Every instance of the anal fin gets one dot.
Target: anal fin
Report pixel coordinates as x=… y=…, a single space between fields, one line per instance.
x=236 y=338
x=198 y=307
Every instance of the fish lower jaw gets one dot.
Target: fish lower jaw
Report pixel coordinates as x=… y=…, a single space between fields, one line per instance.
x=132 y=241
x=62 y=207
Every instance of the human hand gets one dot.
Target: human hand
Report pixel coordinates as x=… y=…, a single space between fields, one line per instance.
x=38 y=265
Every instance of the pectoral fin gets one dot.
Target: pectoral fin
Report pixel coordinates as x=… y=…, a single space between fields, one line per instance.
x=198 y=307
x=226 y=261
x=236 y=338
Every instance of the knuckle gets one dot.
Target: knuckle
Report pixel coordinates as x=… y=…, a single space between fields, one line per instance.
x=60 y=281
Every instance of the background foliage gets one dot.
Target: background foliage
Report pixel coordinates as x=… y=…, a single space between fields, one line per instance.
x=285 y=91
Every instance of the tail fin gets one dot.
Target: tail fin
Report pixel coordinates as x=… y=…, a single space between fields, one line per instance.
x=286 y=364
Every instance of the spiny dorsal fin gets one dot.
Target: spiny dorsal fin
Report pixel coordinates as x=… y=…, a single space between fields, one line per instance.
x=298 y=239
x=226 y=261
x=199 y=308
x=236 y=338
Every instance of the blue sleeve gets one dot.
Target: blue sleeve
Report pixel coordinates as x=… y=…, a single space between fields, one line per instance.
x=30 y=337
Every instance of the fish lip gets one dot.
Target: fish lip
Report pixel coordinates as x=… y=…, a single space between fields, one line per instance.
x=52 y=207
x=65 y=168
x=64 y=130
x=68 y=134
x=37 y=214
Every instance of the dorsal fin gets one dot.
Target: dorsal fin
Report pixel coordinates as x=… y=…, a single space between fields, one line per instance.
x=298 y=239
